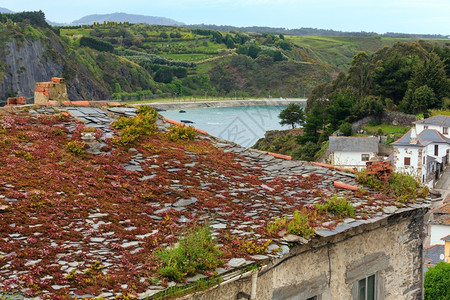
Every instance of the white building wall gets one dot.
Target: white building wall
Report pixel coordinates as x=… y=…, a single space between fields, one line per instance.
x=442 y=150
x=413 y=153
x=421 y=127
x=437 y=232
x=350 y=159
x=418 y=169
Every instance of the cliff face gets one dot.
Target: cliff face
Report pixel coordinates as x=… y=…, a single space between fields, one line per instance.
x=29 y=61
x=26 y=64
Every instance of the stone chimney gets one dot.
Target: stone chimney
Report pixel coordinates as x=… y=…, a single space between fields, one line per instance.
x=413 y=136
x=55 y=90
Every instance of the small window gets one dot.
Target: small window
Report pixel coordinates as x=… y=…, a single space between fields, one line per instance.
x=367 y=288
x=445 y=130
x=407 y=161
x=436 y=150
x=365 y=157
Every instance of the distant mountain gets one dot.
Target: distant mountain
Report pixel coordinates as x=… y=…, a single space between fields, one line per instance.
x=314 y=32
x=123 y=17
x=5 y=11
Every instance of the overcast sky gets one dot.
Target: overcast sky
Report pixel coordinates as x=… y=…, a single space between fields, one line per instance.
x=406 y=16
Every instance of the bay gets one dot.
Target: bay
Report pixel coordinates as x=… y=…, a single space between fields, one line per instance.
x=243 y=125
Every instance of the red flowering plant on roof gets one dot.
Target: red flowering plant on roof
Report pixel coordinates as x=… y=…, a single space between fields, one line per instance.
x=83 y=223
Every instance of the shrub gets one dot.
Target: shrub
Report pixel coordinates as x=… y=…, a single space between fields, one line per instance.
x=299 y=225
x=76 y=147
x=253 y=247
x=346 y=129
x=196 y=252
x=132 y=128
x=402 y=186
x=340 y=207
x=182 y=132
x=437 y=282
x=96 y=44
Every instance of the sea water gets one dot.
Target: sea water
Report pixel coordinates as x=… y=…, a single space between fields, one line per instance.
x=243 y=125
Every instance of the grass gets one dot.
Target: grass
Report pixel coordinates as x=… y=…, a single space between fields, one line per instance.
x=188 y=56
x=75 y=32
x=322 y=150
x=435 y=112
x=374 y=128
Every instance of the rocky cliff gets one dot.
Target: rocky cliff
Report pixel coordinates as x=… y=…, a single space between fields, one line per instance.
x=90 y=75
x=27 y=62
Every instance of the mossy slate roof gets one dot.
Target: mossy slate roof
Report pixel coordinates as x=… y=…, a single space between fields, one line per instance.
x=353 y=144
x=61 y=211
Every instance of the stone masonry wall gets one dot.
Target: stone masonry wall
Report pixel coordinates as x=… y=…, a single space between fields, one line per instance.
x=388 y=117
x=330 y=266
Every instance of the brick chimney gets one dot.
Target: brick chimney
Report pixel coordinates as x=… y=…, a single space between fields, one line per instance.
x=52 y=90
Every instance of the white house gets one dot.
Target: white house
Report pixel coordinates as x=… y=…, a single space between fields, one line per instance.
x=440 y=123
x=439 y=224
x=422 y=155
x=352 y=152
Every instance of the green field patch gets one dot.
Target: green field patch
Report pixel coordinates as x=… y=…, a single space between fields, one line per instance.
x=188 y=57
x=374 y=128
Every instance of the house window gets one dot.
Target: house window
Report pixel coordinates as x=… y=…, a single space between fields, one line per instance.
x=407 y=161
x=365 y=157
x=367 y=288
x=436 y=150
x=445 y=130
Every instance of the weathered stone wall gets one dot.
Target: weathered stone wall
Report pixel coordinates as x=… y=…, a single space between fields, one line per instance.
x=330 y=266
x=398 y=118
x=388 y=117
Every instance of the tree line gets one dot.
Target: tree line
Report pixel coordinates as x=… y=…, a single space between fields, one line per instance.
x=408 y=77
x=35 y=18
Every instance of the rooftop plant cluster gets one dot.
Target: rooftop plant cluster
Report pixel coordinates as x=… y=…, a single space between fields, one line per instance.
x=132 y=128
x=76 y=222
x=402 y=187
x=302 y=222
x=195 y=253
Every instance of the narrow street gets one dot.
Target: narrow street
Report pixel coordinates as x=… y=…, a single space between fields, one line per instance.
x=443 y=184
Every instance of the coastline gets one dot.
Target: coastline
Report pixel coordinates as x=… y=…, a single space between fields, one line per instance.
x=226 y=103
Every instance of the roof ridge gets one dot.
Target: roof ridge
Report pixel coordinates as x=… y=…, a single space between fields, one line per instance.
x=402 y=137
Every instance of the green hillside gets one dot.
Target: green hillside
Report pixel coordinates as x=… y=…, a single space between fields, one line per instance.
x=244 y=64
